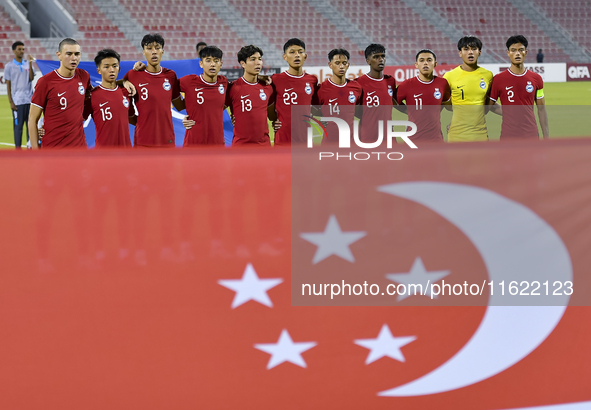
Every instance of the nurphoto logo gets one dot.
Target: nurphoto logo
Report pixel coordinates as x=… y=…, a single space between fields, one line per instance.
x=344 y=138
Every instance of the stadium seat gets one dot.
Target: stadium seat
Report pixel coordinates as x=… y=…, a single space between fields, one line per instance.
x=494 y=21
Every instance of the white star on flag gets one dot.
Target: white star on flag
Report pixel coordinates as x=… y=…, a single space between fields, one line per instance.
x=250 y=287
x=385 y=345
x=418 y=275
x=285 y=350
x=333 y=241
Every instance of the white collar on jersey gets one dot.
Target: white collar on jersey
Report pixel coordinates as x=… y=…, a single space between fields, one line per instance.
x=517 y=75
x=248 y=82
x=295 y=76
x=422 y=82
x=336 y=85
x=159 y=72
x=207 y=82
x=375 y=79
x=109 y=89
x=65 y=78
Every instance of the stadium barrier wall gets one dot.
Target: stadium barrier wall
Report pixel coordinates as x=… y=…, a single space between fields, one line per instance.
x=550 y=72
x=578 y=72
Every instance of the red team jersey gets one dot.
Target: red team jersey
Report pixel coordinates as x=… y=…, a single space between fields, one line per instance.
x=155 y=91
x=110 y=110
x=377 y=99
x=518 y=94
x=248 y=103
x=291 y=90
x=338 y=101
x=424 y=101
x=205 y=105
x=62 y=100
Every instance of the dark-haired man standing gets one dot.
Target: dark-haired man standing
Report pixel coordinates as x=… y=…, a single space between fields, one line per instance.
x=200 y=46
x=378 y=96
x=110 y=105
x=470 y=88
x=424 y=95
x=248 y=100
x=519 y=89
x=156 y=88
x=292 y=87
x=19 y=76
x=337 y=95
x=205 y=98
x=61 y=95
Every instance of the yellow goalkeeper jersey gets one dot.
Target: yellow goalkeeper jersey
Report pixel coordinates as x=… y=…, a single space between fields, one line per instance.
x=469 y=90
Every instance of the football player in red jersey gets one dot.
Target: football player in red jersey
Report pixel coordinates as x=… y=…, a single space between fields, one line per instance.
x=61 y=95
x=378 y=94
x=156 y=87
x=519 y=89
x=248 y=100
x=424 y=95
x=110 y=105
x=338 y=95
x=292 y=87
x=205 y=98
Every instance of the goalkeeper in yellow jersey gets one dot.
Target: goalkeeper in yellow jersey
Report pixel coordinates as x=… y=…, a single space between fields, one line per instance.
x=470 y=89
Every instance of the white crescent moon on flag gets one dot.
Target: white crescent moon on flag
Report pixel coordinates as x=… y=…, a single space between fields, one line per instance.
x=515 y=245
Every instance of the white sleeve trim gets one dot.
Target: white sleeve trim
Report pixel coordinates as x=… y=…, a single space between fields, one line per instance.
x=38 y=106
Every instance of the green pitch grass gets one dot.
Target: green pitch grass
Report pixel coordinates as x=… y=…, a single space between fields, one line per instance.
x=564 y=121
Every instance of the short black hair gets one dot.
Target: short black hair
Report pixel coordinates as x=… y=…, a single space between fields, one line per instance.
x=293 y=42
x=67 y=42
x=211 y=51
x=338 y=52
x=248 y=51
x=201 y=43
x=425 y=50
x=106 y=53
x=152 y=38
x=16 y=44
x=469 y=41
x=516 y=39
x=373 y=49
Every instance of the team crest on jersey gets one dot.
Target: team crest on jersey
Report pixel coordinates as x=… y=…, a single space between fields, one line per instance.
x=81 y=89
x=352 y=97
x=390 y=91
x=263 y=95
x=437 y=93
x=221 y=88
x=482 y=84
x=308 y=89
x=125 y=102
x=166 y=85
x=529 y=87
